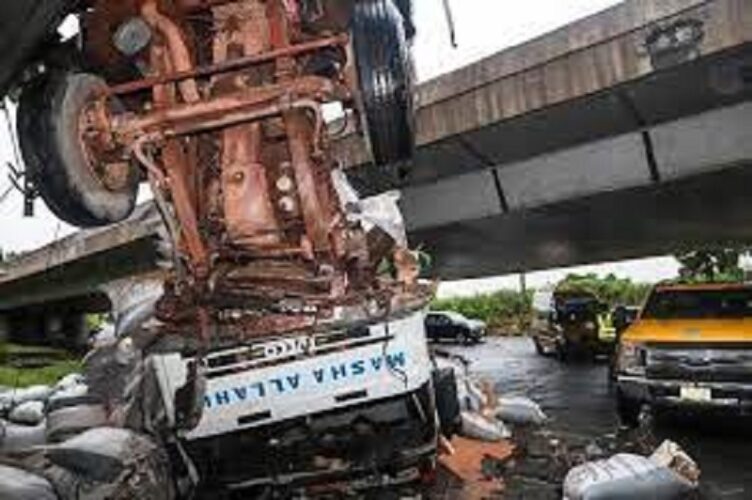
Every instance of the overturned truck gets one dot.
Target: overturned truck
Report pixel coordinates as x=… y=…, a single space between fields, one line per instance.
x=286 y=349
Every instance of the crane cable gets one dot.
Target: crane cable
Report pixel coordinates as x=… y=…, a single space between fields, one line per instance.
x=15 y=146
x=450 y=23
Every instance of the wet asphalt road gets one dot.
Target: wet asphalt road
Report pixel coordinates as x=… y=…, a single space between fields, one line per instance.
x=578 y=399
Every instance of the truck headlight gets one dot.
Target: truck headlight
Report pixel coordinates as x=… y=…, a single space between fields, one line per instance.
x=632 y=358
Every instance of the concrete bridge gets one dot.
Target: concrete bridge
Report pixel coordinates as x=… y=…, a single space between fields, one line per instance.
x=625 y=134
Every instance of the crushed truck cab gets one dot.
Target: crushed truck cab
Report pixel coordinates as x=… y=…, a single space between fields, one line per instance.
x=691 y=347
x=353 y=404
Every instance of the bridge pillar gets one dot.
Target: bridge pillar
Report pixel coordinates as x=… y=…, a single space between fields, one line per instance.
x=4 y=328
x=77 y=331
x=53 y=329
x=66 y=330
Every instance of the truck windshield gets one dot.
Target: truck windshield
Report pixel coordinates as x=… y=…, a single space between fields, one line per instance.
x=688 y=304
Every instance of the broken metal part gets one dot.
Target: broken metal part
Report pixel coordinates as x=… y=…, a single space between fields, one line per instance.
x=236 y=64
x=132 y=36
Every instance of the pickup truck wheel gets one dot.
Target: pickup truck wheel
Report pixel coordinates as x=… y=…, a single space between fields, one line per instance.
x=75 y=186
x=628 y=410
x=382 y=59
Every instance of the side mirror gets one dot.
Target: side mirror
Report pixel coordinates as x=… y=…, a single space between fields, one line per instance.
x=622 y=319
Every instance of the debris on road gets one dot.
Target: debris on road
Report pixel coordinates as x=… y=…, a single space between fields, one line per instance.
x=520 y=411
x=477 y=426
x=672 y=456
x=668 y=474
x=474 y=469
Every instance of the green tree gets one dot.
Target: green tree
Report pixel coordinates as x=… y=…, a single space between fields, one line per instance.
x=713 y=264
x=610 y=289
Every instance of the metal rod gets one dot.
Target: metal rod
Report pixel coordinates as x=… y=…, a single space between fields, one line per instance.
x=231 y=65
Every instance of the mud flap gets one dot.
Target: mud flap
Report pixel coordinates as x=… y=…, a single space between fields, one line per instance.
x=447 y=403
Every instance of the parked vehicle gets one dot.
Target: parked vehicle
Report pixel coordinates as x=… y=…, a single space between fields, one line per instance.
x=690 y=347
x=570 y=323
x=449 y=326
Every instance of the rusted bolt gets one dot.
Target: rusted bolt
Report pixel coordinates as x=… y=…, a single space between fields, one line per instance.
x=284 y=184
x=115 y=176
x=237 y=177
x=287 y=204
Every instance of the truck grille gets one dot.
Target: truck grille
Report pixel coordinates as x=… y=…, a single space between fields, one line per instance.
x=270 y=352
x=700 y=364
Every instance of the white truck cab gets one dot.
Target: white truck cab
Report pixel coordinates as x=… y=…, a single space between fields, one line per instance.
x=354 y=404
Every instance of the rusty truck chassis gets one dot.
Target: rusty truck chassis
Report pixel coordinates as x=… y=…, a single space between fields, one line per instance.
x=238 y=157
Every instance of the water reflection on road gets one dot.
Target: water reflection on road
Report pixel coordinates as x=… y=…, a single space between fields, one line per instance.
x=578 y=399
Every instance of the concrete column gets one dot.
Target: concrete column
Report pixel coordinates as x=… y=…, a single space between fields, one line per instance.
x=54 y=332
x=77 y=332
x=4 y=328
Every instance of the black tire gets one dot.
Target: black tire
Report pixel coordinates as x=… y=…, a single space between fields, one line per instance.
x=563 y=351
x=462 y=338
x=539 y=348
x=382 y=58
x=628 y=410
x=447 y=404
x=48 y=130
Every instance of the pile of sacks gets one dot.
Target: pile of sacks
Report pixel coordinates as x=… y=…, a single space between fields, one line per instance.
x=104 y=462
x=483 y=414
x=47 y=414
x=67 y=441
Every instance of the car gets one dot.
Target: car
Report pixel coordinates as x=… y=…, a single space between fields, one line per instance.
x=690 y=348
x=449 y=326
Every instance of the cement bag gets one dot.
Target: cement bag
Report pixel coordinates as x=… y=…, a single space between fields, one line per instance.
x=476 y=426
x=133 y=301
x=624 y=477
x=68 y=393
x=14 y=437
x=100 y=454
x=18 y=396
x=29 y=413
x=70 y=380
x=68 y=421
x=520 y=411
x=672 y=456
x=17 y=484
x=115 y=463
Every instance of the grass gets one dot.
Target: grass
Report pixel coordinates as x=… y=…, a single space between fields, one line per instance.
x=24 y=366
x=11 y=376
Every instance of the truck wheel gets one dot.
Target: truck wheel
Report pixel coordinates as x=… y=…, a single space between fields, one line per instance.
x=76 y=188
x=382 y=59
x=628 y=410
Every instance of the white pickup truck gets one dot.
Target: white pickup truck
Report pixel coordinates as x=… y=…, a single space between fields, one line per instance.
x=349 y=409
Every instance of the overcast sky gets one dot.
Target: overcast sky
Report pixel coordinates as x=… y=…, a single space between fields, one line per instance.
x=482 y=26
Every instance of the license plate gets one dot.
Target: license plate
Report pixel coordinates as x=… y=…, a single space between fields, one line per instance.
x=696 y=394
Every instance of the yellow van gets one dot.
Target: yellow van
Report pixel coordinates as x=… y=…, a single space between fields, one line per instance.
x=690 y=346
